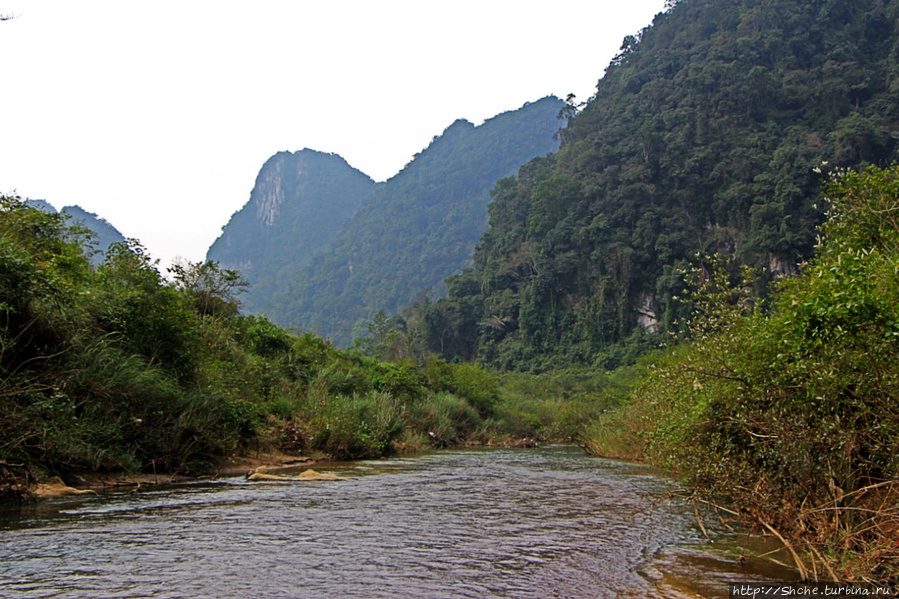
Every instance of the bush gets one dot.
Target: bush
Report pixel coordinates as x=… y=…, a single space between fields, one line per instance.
x=448 y=419
x=357 y=426
x=469 y=381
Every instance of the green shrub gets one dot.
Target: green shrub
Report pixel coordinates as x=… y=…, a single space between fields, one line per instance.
x=400 y=380
x=470 y=381
x=265 y=338
x=356 y=426
x=447 y=418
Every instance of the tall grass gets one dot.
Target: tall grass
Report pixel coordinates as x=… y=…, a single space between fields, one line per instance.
x=558 y=405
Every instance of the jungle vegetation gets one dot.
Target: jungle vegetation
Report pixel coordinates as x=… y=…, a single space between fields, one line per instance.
x=702 y=137
x=682 y=282
x=689 y=207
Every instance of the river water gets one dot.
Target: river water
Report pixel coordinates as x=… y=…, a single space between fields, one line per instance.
x=547 y=522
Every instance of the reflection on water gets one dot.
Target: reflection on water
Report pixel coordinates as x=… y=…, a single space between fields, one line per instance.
x=474 y=523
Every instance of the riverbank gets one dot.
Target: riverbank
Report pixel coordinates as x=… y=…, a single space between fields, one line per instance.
x=785 y=414
x=276 y=463
x=94 y=483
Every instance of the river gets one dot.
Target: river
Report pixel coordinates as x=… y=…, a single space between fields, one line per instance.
x=522 y=523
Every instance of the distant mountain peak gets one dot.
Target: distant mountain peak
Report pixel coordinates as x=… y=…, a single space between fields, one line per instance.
x=284 y=175
x=418 y=227
x=324 y=246
x=298 y=203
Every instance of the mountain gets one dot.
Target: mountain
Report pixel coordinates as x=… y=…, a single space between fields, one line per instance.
x=418 y=227
x=297 y=206
x=704 y=136
x=42 y=205
x=104 y=233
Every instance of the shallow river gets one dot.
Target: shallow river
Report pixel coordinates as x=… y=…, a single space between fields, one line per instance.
x=547 y=522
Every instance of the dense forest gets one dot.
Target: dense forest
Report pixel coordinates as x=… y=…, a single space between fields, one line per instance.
x=703 y=137
x=719 y=196
x=417 y=228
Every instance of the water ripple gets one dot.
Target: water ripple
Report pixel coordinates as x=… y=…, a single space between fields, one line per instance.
x=498 y=523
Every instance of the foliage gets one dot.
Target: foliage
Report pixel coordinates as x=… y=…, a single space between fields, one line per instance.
x=388 y=338
x=467 y=380
x=560 y=405
x=356 y=426
x=102 y=236
x=791 y=415
x=212 y=290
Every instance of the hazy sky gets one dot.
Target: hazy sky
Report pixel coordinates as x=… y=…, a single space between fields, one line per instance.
x=158 y=115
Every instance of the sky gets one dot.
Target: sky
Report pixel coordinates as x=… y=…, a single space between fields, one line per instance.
x=157 y=116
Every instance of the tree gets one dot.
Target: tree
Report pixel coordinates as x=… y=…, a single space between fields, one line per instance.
x=388 y=339
x=212 y=289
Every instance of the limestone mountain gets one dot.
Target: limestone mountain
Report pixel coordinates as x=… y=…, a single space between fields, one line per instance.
x=418 y=227
x=297 y=206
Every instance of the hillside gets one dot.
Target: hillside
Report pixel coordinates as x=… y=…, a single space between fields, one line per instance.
x=704 y=136
x=297 y=206
x=420 y=226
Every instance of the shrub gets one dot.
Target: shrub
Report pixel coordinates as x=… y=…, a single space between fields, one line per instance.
x=356 y=426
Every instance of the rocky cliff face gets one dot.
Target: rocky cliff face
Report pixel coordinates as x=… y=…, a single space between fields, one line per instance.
x=299 y=202
x=270 y=193
x=283 y=169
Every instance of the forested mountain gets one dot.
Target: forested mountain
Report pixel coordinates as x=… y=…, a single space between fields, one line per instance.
x=420 y=226
x=703 y=136
x=103 y=233
x=297 y=206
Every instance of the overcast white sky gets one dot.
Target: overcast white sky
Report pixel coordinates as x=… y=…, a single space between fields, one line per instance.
x=158 y=115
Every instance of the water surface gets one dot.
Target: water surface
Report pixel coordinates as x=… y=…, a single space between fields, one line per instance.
x=550 y=522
